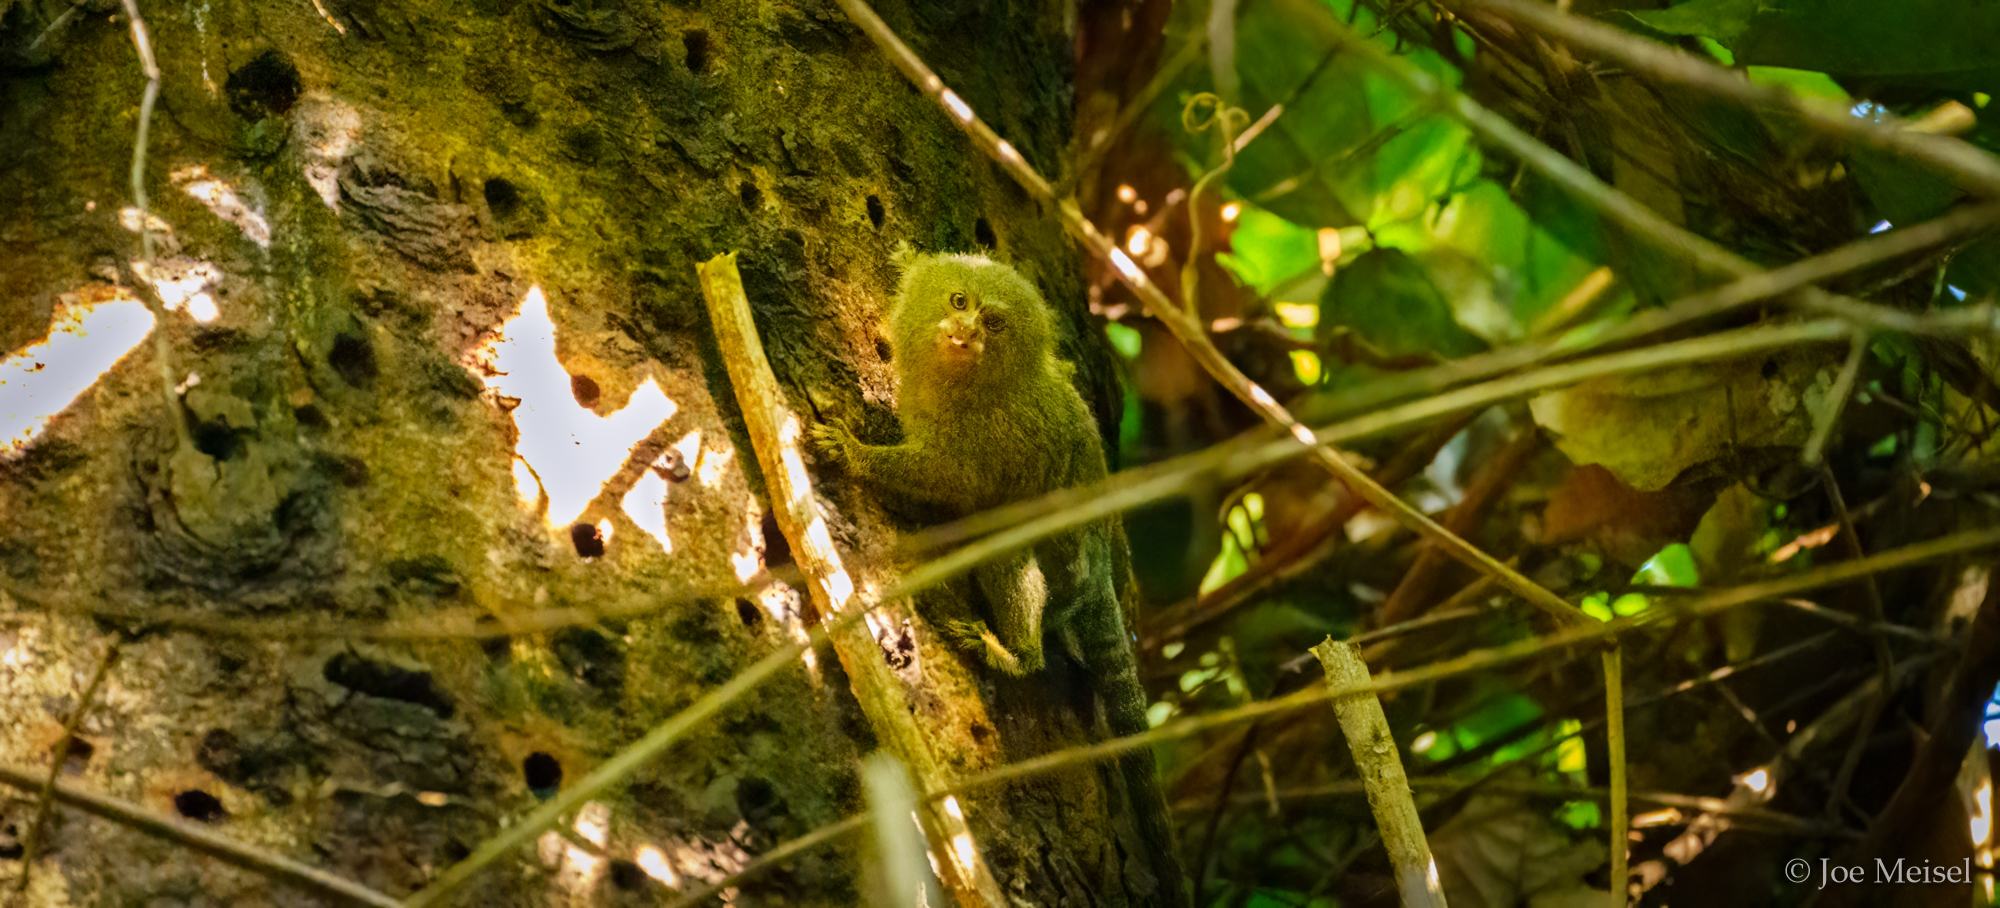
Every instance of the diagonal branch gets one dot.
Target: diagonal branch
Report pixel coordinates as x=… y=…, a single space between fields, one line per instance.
x=200 y=838
x=1187 y=328
x=1956 y=159
x=58 y=757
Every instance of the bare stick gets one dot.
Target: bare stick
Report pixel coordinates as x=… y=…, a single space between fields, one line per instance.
x=775 y=434
x=200 y=838
x=1379 y=763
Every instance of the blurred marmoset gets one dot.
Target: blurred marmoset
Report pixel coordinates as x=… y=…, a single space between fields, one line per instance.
x=990 y=417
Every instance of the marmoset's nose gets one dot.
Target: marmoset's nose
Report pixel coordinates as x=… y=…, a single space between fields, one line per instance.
x=962 y=332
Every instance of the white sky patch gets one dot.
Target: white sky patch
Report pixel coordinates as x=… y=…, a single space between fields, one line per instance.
x=646 y=504
x=571 y=448
x=526 y=486
x=221 y=199
x=41 y=379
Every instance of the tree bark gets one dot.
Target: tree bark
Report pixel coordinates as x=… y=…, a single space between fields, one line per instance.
x=403 y=175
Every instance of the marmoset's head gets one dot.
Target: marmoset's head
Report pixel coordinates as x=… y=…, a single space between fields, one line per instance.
x=967 y=318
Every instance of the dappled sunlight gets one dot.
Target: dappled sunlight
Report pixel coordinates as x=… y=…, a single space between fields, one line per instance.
x=182 y=285
x=41 y=379
x=221 y=199
x=654 y=862
x=748 y=559
x=571 y=448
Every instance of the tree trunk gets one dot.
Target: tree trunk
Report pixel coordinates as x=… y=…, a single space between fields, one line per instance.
x=367 y=193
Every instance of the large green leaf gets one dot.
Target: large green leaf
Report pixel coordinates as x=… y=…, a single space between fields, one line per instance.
x=1387 y=297
x=1721 y=20
x=1942 y=42
x=1269 y=249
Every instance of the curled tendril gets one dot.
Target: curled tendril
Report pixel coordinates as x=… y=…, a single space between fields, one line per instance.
x=1201 y=113
x=1207 y=110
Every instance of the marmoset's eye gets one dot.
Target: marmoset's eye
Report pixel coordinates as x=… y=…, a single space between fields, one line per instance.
x=995 y=323
x=958 y=301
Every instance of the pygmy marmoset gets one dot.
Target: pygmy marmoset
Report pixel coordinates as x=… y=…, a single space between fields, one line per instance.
x=991 y=417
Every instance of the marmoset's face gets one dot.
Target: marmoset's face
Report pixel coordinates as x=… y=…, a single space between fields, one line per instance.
x=968 y=315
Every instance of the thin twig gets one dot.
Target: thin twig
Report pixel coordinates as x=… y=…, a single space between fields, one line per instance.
x=59 y=22
x=615 y=770
x=1860 y=624
x=200 y=838
x=1446 y=787
x=1836 y=401
x=162 y=350
x=1207 y=852
x=1062 y=510
x=1714 y=603
x=1958 y=160
x=1482 y=660
x=45 y=799
x=1885 y=661
x=773 y=858
x=496 y=620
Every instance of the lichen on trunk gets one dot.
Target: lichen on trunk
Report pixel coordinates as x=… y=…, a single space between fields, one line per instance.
x=358 y=207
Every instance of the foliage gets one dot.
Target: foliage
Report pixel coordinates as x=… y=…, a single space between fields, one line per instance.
x=1389 y=227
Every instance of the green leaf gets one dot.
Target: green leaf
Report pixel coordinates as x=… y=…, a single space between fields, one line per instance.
x=1975 y=271
x=1900 y=192
x=1721 y=20
x=1494 y=718
x=1939 y=43
x=1268 y=249
x=1532 y=269
x=1805 y=83
x=1387 y=298
x=1124 y=338
x=1673 y=566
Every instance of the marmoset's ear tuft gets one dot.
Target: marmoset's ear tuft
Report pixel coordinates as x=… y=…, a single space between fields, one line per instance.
x=903 y=256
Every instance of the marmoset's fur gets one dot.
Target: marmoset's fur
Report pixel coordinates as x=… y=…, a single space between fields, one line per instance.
x=991 y=417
